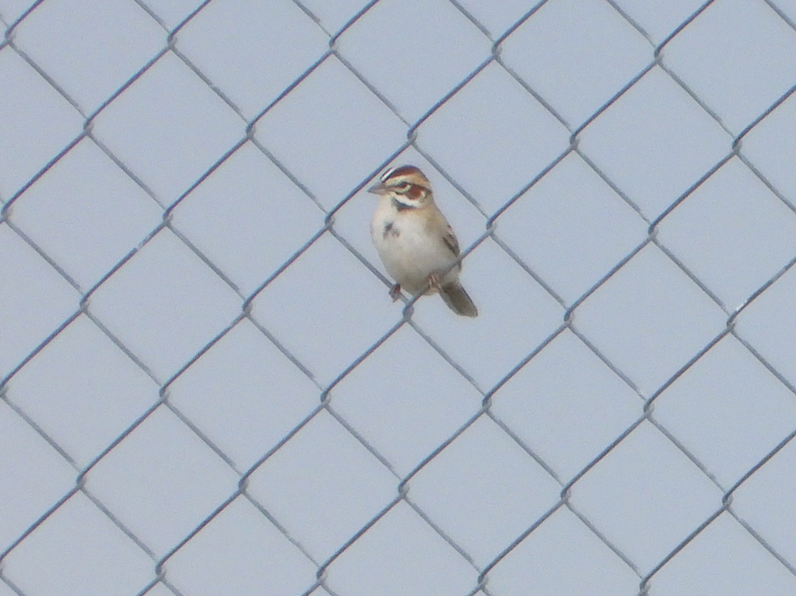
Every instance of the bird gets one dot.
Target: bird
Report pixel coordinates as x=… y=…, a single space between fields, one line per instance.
x=415 y=242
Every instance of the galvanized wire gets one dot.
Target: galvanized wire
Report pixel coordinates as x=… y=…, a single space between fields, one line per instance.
x=491 y=232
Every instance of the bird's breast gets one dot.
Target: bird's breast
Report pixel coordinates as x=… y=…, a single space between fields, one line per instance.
x=409 y=251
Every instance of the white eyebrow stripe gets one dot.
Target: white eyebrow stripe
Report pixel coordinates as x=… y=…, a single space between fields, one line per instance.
x=387 y=174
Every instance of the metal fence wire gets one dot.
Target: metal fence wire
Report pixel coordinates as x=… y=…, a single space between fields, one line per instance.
x=206 y=388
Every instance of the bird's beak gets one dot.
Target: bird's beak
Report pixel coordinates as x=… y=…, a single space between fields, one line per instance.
x=378 y=189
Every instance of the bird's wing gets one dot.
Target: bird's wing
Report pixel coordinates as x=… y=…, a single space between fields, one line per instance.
x=451 y=242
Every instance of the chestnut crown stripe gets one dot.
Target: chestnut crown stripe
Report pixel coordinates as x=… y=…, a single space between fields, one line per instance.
x=410 y=174
x=400 y=171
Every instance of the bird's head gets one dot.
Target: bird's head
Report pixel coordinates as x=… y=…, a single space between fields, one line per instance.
x=407 y=186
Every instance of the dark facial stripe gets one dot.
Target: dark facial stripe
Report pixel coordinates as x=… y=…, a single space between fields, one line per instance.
x=401 y=206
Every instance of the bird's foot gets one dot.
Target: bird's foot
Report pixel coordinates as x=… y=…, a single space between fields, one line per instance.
x=395 y=292
x=434 y=282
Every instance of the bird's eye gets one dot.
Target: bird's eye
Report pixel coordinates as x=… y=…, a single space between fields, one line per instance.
x=403 y=186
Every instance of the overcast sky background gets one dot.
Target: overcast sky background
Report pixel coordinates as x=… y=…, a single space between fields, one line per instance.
x=206 y=389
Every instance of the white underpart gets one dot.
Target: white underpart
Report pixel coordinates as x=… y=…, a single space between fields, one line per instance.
x=411 y=255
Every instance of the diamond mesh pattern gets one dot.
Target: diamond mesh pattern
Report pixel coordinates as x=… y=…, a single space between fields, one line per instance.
x=205 y=388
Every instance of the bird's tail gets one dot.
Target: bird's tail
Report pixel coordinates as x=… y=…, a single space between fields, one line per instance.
x=458 y=300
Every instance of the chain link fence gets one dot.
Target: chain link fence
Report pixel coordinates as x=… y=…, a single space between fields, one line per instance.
x=206 y=388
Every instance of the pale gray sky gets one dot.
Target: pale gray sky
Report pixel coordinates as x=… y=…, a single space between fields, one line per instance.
x=206 y=388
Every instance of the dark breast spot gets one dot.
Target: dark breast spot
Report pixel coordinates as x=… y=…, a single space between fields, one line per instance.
x=390 y=230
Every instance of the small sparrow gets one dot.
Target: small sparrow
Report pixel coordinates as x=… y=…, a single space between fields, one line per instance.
x=415 y=241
